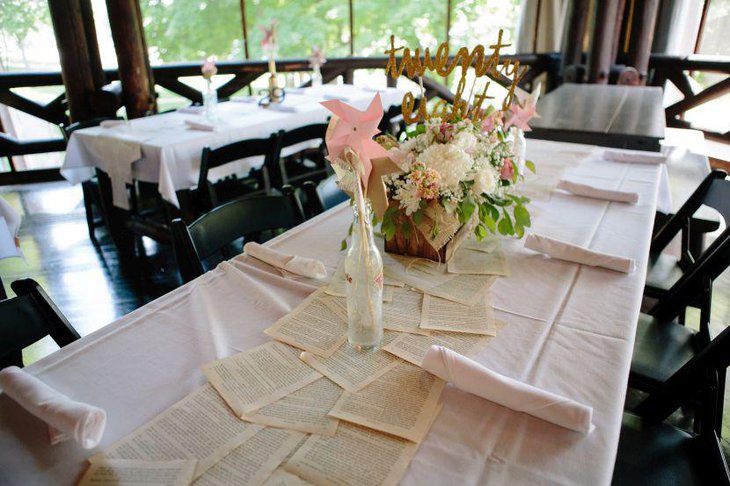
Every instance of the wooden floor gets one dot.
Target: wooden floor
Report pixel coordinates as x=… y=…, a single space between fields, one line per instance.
x=93 y=286
x=89 y=283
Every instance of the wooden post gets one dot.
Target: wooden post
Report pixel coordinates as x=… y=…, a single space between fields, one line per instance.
x=604 y=24
x=619 y=28
x=575 y=30
x=642 y=36
x=352 y=28
x=73 y=27
x=130 y=45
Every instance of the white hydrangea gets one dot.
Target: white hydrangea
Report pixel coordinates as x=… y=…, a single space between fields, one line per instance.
x=485 y=181
x=449 y=161
x=466 y=140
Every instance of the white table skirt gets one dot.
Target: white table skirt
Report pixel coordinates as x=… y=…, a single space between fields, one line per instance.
x=162 y=149
x=570 y=329
x=9 y=225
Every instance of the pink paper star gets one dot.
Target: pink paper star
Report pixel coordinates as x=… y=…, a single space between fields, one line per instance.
x=268 y=43
x=520 y=116
x=355 y=129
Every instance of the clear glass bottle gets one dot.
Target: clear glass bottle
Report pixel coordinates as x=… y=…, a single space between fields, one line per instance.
x=316 y=76
x=210 y=102
x=364 y=274
x=519 y=148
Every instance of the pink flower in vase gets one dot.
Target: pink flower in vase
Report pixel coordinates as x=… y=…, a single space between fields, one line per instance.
x=508 y=170
x=379 y=280
x=317 y=58
x=209 y=68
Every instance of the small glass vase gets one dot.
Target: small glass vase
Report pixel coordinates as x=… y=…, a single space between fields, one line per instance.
x=210 y=103
x=519 y=148
x=316 y=76
x=364 y=277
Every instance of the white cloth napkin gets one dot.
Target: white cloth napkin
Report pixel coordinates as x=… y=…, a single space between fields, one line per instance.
x=472 y=377
x=195 y=109
x=202 y=125
x=65 y=417
x=306 y=267
x=634 y=157
x=597 y=193
x=113 y=123
x=577 y=254
x=12 y=218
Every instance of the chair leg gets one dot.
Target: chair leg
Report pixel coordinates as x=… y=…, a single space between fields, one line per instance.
x=721 y=377
x=87 y=192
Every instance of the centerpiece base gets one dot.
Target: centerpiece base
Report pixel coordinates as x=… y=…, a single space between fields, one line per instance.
x=414 y=245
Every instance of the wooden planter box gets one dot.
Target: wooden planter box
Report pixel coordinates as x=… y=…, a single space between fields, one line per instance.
x=416 y=246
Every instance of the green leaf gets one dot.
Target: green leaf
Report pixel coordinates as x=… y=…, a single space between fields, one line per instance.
x=494 y=213
x=531 y=166
x=480 y=231
x=343 y=244
x=418 y=217
x=505 y=224
x=349 y=230
x=519 y=231
x=466 y=208
x=388 y=228
x=434 y=230
x=522 y=216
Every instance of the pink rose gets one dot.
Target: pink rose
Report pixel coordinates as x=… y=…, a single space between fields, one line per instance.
x=492 y=121
x=508 y=170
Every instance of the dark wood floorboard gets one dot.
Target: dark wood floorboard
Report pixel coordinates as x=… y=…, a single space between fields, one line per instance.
x=90 y=284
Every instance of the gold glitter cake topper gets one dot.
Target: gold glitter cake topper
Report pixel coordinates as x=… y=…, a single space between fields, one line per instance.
x=416 y=64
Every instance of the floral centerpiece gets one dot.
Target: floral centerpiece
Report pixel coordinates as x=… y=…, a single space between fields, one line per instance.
x=210 y=97
x=458 y=177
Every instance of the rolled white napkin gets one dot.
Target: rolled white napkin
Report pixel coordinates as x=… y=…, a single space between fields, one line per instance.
x=112 y=123
x=12 y=218
x=194 y=109
x=634 y=157
x=65 y=417
x=202 y=125
x=472 y=377
x=577 y=254
x=597 y=193
x=306 y=267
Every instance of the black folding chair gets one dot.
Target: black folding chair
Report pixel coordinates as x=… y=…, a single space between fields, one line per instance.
x=210 y=195
x=664 y=270
x=28 y=318
x=317 y=198
x=392 y=121
x=664 y=345
x=652 y=452
x=308 y=164
x=212 y=235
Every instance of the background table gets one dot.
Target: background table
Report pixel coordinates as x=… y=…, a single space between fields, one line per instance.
x=569 y=329
x=630 y=117
x=163 y=150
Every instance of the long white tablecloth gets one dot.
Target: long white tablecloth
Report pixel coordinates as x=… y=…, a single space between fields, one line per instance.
x=569 y=329
x=162 y=149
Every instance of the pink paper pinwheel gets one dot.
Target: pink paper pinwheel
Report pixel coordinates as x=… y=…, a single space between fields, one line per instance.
x=355 y=129
x=523 y=111
x=268 y=43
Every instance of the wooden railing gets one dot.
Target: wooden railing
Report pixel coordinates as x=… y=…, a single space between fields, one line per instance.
x=677 y=71
x=664 y=68
x=168 y=76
